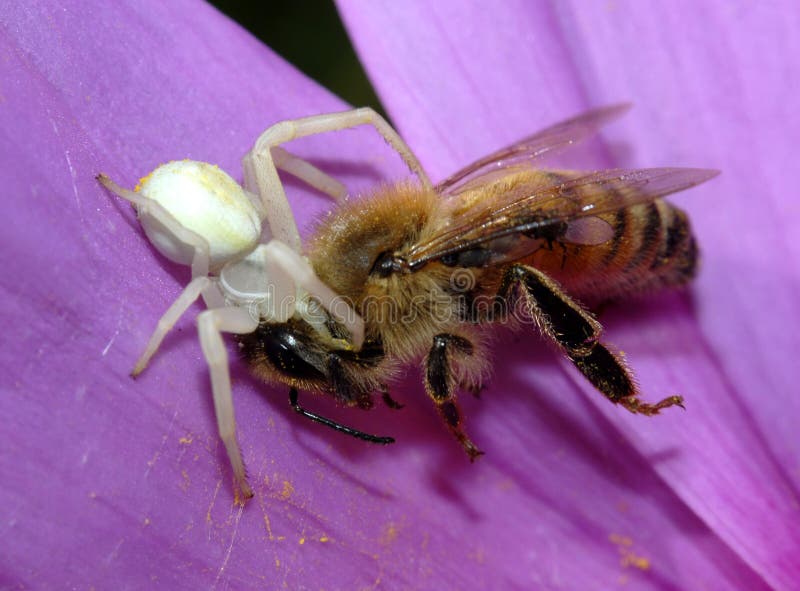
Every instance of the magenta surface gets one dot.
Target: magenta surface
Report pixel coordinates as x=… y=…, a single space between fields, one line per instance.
x=108 y=482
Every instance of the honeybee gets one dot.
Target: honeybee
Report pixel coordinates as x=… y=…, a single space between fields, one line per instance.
x=495 y=239
x=414 y=272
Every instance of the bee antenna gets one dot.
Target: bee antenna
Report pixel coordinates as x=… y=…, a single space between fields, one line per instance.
x=334 y=425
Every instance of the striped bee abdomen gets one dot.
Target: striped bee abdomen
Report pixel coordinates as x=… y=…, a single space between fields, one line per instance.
x=652 y=247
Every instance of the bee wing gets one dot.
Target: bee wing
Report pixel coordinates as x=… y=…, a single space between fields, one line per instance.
x=508 y=228
x=525 y=152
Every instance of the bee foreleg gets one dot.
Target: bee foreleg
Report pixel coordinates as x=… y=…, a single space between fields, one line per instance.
x=343 y=387
x=440 y=381
x=333 y=424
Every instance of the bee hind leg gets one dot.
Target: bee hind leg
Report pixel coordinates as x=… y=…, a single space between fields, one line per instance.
x=577 y=333
x=609 y=374
x=440 y=381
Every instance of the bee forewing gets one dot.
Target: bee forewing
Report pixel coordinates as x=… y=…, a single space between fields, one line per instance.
x=609 y=190
x=526 y=152
x=535 y=206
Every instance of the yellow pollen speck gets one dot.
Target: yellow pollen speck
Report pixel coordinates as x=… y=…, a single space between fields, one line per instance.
x=620 y=540
x=639 y=562
x=186 y=480
x=324 y=539
x=390 y=533
x=186 y=440
x=269 y=527
x=288 y=489
x=627 y=556
x=302 y=541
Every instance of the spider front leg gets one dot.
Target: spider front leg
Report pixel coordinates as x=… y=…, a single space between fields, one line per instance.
x=261 y=176
x=209 y=326
x=577 y=333
x=149 y=211
x=287 y=270
x=440 y=381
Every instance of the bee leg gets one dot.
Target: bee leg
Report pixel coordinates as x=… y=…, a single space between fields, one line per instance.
x=333 y=424
x=608 y=373
x=439 y=383
x=557 y=315
x=474 y=389
x=388 y=400
x=343 y=388
x=577 y=333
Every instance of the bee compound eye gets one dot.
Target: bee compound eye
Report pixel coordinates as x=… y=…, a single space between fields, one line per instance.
x=288 y=352
x=384 y=265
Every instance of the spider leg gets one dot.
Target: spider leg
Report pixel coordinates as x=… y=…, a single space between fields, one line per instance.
x=308 y=173
x=281 y=261
x=261 y=176
x=209 y=325
x=148 y=208
x=200 y=285
x=188 y=296
x=577 y=333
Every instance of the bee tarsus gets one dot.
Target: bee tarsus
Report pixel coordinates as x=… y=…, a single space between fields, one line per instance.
x=388 y=400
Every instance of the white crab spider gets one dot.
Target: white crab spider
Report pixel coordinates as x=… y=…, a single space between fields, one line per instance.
x=195 y=214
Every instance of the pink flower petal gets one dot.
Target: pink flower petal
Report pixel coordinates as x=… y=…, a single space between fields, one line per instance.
x=707 y=81
x=110 y=482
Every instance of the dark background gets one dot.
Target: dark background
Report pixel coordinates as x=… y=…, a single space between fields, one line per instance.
x=310 y=35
